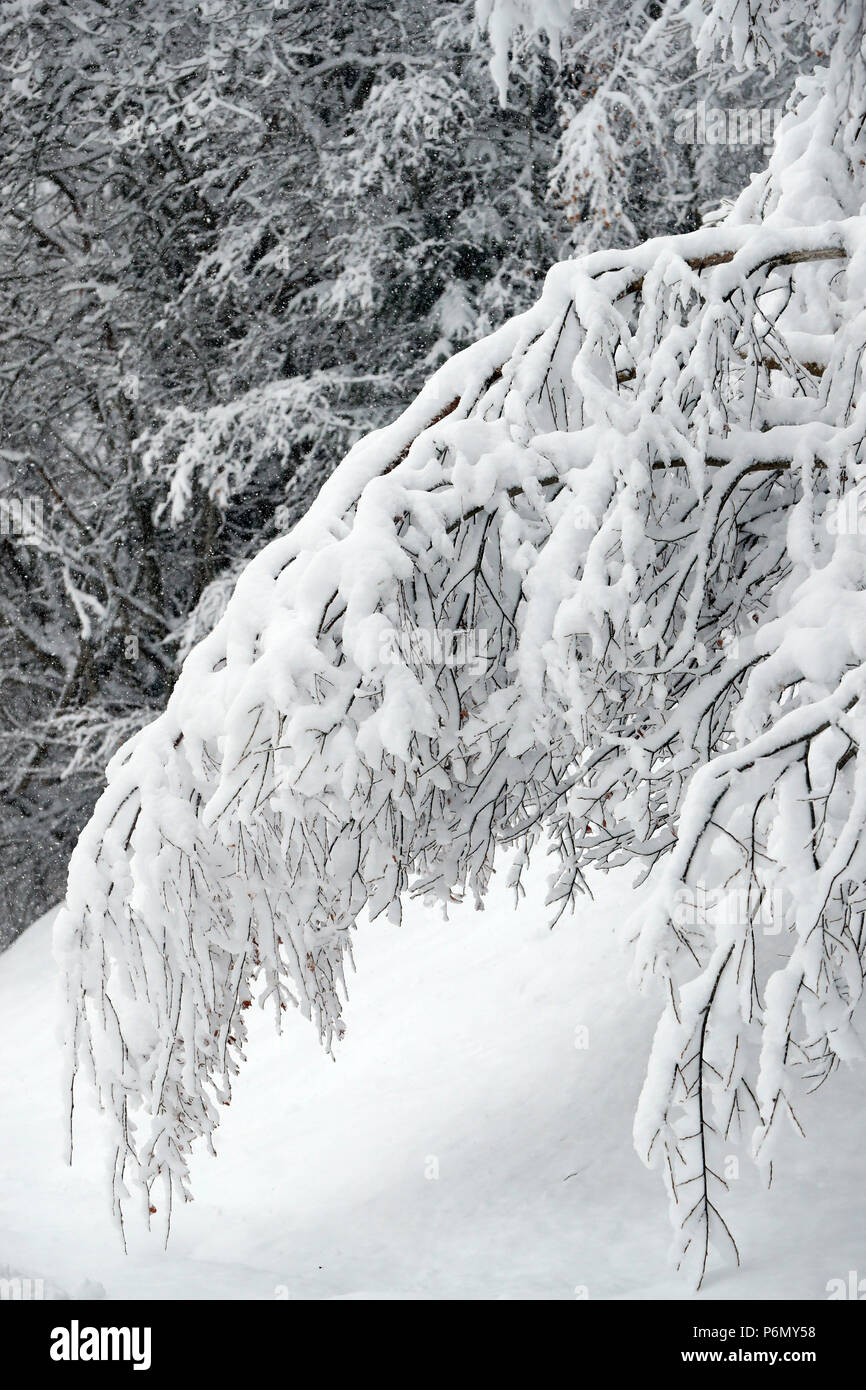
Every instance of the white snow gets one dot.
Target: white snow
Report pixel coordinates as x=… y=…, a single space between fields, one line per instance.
x=460 y=1051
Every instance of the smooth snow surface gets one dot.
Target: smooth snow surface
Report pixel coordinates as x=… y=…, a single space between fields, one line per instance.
x=461 y=1052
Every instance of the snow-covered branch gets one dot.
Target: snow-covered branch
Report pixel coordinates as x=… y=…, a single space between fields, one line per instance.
x=576 y=593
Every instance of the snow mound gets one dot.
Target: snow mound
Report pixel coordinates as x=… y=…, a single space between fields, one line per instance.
x=473 y=1139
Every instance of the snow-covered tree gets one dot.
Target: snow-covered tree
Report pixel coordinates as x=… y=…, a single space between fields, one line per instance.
x=234 y=240
x=238 y=236
x=627 y=163
x=601 y=586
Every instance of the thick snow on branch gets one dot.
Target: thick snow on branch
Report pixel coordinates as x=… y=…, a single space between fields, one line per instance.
x=603 y=584
x=502 y=18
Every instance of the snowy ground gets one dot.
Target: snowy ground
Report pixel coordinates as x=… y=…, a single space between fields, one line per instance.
x=460 y=1053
